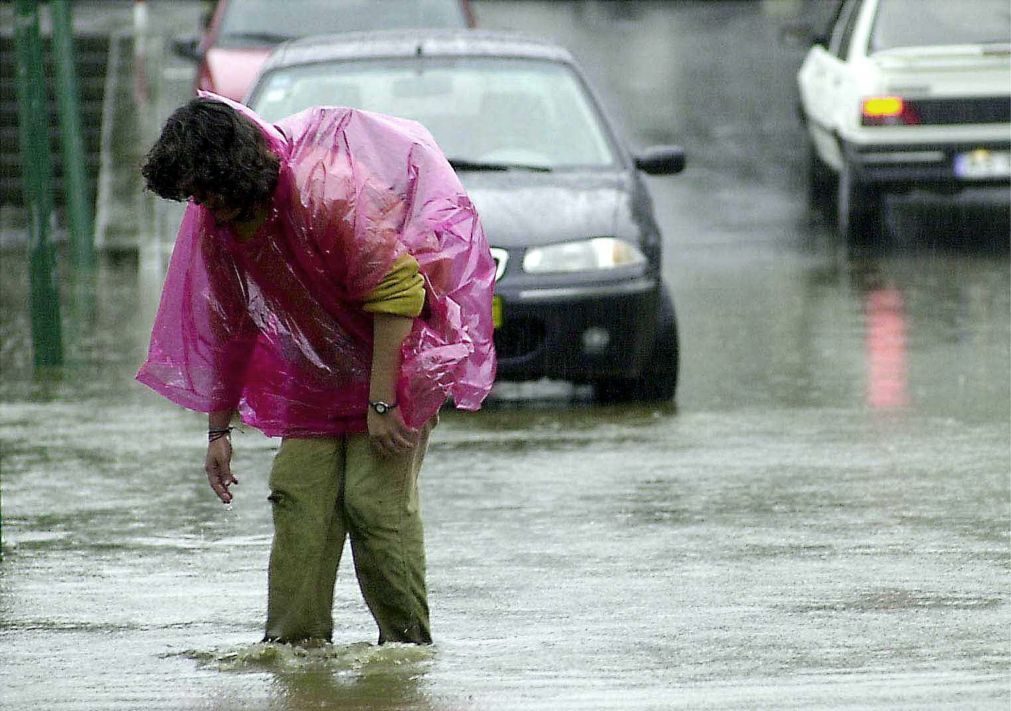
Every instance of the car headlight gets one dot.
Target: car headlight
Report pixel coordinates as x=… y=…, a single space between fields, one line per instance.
x=582 y=256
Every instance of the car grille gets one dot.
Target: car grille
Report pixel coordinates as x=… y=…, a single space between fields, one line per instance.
x=990 y=109
x=518 y=337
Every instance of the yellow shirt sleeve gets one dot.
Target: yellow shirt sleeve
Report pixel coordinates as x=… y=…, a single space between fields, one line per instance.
x=401 y=292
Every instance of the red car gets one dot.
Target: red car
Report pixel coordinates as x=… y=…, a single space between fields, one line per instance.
x=239 y=34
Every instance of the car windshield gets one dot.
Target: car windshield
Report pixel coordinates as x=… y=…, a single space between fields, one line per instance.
x=927 y=23
x=485 y=113
x=259 y=21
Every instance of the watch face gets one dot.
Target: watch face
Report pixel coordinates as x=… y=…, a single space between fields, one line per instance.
x=380 y=407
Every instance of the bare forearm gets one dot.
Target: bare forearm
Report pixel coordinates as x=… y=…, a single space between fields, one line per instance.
x=219 y=420
x=390 y=435
x=218 y=463
x=389 y=333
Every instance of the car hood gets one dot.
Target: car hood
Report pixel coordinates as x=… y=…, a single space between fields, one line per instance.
x=520 y=209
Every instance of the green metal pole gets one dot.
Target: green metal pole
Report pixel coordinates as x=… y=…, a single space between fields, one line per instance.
x=37 y=179
x=75 y=187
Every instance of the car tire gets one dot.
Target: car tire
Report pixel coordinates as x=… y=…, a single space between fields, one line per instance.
x=858 y=208
x=821 y=181
x=659 y=377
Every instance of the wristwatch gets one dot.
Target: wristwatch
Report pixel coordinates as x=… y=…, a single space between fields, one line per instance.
x=381 y=407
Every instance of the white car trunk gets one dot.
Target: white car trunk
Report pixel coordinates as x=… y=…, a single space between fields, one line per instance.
x=964 y=70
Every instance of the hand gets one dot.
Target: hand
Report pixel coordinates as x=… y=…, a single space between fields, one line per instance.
x=389 y=433
x=218 y=468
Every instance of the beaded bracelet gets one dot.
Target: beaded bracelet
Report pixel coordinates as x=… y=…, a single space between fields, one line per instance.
x=214 y=435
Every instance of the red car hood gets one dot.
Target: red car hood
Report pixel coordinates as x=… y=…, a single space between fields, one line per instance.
x=230 y=72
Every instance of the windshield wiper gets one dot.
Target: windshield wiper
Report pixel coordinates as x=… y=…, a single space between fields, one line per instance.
x=463 y=164
x=264 y=37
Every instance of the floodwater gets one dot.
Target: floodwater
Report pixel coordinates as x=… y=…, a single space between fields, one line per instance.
x=820 y=522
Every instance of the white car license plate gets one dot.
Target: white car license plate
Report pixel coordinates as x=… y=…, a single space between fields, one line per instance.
x=982 y=164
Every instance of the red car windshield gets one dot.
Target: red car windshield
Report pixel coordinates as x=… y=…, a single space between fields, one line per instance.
x=269 y=21
x=930 y=23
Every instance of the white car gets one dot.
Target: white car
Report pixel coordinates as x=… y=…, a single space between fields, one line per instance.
x=907 y=94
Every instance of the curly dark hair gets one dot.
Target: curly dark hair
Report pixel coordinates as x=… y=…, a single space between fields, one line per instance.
x=207 y=147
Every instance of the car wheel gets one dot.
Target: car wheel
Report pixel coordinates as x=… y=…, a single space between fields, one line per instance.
x=659 y=377
x=858 y=208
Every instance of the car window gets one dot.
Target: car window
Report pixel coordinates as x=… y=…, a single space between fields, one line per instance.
x=486 y=110
x=843 y=37
x=258 y=20
x=925 y=23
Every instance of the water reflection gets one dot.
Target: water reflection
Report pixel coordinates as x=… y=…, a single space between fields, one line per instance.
x=885 y=339
x=975 y=222
x=346 y=677
x=104 y=333
x=886 y=348
x=373 y=686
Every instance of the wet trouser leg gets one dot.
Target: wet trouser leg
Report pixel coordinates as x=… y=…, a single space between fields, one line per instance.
x=309 y=532
x=383 y=516
x=323 y=490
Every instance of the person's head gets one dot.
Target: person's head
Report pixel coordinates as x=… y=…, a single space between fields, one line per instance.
x=210 y=152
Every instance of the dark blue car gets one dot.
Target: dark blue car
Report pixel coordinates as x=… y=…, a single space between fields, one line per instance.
x=579 y=295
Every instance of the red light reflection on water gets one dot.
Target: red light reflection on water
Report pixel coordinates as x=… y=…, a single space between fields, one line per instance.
x=885 y=342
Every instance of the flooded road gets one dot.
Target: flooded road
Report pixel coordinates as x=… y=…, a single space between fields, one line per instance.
x=820 y=522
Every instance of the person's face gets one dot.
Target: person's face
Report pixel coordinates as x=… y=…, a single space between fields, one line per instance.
x=218 y=207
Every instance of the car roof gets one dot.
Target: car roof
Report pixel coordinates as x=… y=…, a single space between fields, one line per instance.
x=409 y=43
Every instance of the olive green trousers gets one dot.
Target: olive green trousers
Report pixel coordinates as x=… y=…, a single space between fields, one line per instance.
x=324 y=490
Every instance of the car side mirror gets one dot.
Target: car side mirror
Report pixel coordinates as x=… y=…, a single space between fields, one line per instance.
x=187 y=48
x=661 y=160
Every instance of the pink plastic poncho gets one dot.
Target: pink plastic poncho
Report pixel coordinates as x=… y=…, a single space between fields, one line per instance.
x=273 y=324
